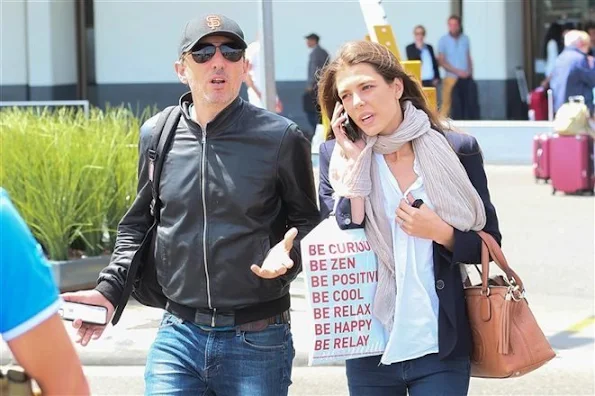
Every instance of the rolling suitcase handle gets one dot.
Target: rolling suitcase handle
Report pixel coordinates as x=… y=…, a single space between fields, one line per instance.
x=550 y=105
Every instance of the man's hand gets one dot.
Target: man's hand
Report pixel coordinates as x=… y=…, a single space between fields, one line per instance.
x=86 y=330
x=277 y=261
x=464 y=74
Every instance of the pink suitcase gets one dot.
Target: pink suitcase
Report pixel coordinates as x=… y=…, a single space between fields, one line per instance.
x=541 y=157
x=571 y=164
x=541 y=105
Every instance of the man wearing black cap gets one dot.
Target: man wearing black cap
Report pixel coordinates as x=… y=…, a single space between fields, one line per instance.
x=318 y=58
x=236 y=195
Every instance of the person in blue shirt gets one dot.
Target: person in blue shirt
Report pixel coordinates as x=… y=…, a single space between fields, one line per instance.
x=572 y=74
x=29 y=303
x=454 y=55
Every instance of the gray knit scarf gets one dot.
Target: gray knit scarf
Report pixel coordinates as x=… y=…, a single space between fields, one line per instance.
x=447 y=184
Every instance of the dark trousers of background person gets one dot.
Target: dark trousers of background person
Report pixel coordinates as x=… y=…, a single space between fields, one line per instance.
x=312 y=110
x=464 y=100
x=313 y=120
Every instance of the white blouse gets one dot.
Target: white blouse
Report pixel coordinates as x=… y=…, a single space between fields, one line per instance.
x=415 y=329
x=552 y=55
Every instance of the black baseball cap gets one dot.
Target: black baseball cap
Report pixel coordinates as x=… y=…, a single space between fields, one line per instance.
x=210 y=25
x=313 y=36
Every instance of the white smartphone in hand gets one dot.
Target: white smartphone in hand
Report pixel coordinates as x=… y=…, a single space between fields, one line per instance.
x=92 y=314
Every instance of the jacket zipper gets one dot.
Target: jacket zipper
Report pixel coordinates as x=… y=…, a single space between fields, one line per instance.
x=204 y=230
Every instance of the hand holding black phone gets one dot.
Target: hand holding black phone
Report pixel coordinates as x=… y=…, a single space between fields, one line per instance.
x=350 y=129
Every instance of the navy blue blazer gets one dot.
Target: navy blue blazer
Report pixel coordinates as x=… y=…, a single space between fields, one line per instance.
x=454 y=332
x=413 y=53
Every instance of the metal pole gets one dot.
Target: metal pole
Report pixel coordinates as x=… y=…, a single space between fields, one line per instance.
x=27 y=51
x=269 y=93
x=81 y=49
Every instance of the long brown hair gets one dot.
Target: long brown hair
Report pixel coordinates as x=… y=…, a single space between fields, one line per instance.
x=385 y=63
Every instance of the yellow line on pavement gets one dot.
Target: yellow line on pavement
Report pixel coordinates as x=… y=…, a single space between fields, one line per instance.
x=583 y=324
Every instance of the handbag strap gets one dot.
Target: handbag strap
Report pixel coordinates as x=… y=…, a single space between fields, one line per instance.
x=490 y=248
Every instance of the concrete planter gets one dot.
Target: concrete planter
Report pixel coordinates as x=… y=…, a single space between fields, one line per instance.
x=80 y=273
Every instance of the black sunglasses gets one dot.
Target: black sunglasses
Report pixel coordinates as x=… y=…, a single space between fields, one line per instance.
x=205 y=52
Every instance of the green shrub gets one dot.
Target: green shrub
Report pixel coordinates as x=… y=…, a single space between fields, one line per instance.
x=71 y=177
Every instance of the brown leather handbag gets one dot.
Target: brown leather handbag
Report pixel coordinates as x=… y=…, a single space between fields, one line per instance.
x=507 y=341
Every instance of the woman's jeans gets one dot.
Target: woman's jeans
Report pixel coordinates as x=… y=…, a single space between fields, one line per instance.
x=425 y=376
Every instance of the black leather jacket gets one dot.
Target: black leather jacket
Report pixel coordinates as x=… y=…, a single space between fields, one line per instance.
x=228 y=194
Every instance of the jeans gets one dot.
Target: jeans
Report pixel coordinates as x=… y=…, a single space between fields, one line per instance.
x=187 y=359
x=427 y=375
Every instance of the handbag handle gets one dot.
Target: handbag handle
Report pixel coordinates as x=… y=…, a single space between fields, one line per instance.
x=576 y=99
x=490 y=248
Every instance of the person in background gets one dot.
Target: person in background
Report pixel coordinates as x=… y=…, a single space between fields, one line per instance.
x=553 y=46
x=317 y=59
x=29 y=304
x=573 y=73
x=254 y=77
x=454 y=55
x=419 y=50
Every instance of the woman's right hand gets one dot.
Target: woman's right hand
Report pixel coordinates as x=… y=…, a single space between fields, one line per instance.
x=351 y=149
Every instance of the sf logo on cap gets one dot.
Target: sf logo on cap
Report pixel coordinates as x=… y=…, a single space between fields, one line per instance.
x=213 y=21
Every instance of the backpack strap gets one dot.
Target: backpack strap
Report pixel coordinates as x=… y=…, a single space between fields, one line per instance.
x=167 y=122
x=163 y=134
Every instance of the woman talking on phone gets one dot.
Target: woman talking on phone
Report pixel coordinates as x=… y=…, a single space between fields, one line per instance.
x=420 y=193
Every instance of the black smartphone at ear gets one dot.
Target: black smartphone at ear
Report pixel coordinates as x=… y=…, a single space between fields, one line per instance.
x=351 y=129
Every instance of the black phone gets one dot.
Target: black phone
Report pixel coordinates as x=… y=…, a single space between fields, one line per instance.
x=417 y=203
x=350 y=129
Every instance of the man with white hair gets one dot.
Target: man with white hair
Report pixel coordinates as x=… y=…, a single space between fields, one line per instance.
x=573 y=74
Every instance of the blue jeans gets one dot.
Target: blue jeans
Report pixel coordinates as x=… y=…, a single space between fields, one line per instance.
x=427 y=375
x=186 y=359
